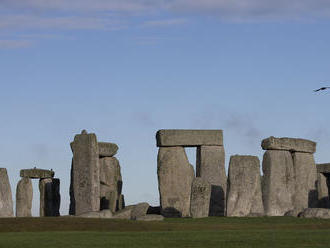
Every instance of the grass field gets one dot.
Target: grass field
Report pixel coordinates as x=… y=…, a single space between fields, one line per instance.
x=175 y=233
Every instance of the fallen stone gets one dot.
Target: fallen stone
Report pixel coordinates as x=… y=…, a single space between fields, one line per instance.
x=210 y=166
x=292 y=213
x=278 y=182
x=6 y=200
x=200 y=198
x=289 y=144
x=50 y=198
x=305 y=181
x=189 y=138
x=150 y=217
x=320 y=213
x=104 y=214
x=107 y=149
x=24 y=194
x=139 y=210
x=37 y=173
x=86 y=172
x=175 y=176
x=124 y=213
x=244 y=187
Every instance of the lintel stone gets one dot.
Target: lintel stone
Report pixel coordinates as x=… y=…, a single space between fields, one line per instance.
x=37 y=173
x=189 y=138
x=323 y=168
x=289 y=144
x=107 y=149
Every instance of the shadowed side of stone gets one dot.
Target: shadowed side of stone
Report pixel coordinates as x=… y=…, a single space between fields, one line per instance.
x=244 y=187
x=24 y=194
x=50 y=198
x=289 y=144
x=6 y=201
x=320 y=213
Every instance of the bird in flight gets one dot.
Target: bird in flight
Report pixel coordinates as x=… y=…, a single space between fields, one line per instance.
x=323 y=88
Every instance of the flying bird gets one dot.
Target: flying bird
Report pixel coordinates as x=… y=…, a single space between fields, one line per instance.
x=323 y=88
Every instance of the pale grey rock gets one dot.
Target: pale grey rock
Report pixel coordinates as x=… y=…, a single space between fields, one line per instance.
x=320 y=213
x=289 y=144
x=107 y=149
x=189 y=138
x=322 y=191
x=278 y=182
x=139 y=210
x=50 y=198
x=244 y=187
x=103 y=214
x=305 y=181
x=292 y=213
x=106 y=214
x=86 y=173
x=210 y=166
x=37 y=173
x=150 y=217
x=200 y=198
x=6 y=200
x=124 y=213
x=24 y=194
x=175 y=176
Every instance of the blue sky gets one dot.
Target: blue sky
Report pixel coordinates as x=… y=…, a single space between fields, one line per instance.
x=124 y=69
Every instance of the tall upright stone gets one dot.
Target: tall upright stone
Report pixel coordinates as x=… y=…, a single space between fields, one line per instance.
x=210 y=166
x=72 y=207
x=6 y=201
x=323 y=176
x=278 y=182
x=49 y=197
x=305 y=181
x=200 y=198
x=175 y=176
x=86 y=173
x=244 y=187
x=24 y=194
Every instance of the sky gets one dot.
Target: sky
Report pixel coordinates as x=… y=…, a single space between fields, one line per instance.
x=124 y=69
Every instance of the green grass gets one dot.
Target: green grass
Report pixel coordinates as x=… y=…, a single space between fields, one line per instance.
x=175 y=233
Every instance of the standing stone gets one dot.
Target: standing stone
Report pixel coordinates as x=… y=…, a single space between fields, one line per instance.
x=305 y=181
x=244 y=187
x=278 y=182
x=72 y=207
x=6 y=201
x=322 y=191
x=121 y=202
x=175 y=176
x=49 y=197
x=24 y=194
x=86 y=173
x=210 y=166
x=200 y=198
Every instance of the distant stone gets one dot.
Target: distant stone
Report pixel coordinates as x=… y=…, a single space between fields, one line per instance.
x=107 y=149
x=6 y=201
x=72 y=207
x=175 y=176
x=210 y=166
x=322 y=191
x=84 y=132
x=50 y=198
x=289 y=144
x=24 y=194
x=104 y=214
x=37 y=173
x=86 y=173
x=139 y=210
x=189 y=138
x=278 y=182
x=200 y=198
x=244 y=187
x=320 y=213
x=305 y=181
x=323 y=168
x=150 y=217
x=124 y=213
x=121 y=202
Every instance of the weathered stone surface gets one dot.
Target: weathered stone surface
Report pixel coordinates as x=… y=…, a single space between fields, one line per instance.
x=107 y=149
x=37 y=173
x=244 y=186
x=150 y=217
x=305 y=181
x=104 y=214
x=50 y=198
x=323 y=168
x=110 y=173
x=322 y=191
x=189 y=138
x=200 y=198
x=139 y=210
x=86 y=172
x=210 y=166
x=278 y=182
x=6 y=200
x=175 y=176
x=124 y=213
x=121 y=202
x=320 y=213
x=289 y=144
x=24 y=194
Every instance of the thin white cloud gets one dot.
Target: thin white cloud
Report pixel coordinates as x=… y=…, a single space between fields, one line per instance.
x=164 y=23
x=13 y=44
